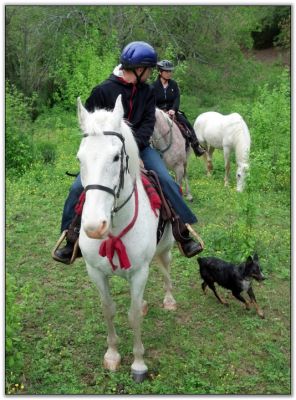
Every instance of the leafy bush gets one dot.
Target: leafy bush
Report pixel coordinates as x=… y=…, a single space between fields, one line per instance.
x=271 y=136
x=80 y=70
x=47 y=152
x=19 y=144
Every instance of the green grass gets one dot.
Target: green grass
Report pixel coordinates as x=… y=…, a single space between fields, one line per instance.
x=202 y=347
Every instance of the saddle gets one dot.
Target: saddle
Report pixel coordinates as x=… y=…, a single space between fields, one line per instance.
x=151 y=182
x=167 y=213
x=157 y=200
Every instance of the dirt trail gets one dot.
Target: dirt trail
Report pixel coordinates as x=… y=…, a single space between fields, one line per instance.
x=271 y=55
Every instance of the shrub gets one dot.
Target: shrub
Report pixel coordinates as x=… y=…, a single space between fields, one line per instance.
x=46 y=152
x=271 y=137
x=19 y=145
x=79 y=71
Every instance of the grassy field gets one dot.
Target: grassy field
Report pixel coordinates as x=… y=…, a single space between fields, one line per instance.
x=202 y=347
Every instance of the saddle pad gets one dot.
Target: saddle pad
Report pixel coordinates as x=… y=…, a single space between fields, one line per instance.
x=156 y=204
x=152 y=194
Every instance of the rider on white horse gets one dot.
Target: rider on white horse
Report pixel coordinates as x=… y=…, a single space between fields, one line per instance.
x=167 y=96
x=138 y=99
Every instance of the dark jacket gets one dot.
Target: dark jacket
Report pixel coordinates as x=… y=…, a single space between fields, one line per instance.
x=138 y=104
x=169 y=98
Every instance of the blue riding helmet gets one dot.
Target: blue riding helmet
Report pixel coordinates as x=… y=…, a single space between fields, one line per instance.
x=138 y=54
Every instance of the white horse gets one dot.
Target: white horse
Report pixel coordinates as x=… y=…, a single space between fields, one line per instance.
x=169 y=141
x=227 y=132
x=118 y=227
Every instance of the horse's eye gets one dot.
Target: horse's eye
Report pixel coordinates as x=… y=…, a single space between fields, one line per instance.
x=116 y=158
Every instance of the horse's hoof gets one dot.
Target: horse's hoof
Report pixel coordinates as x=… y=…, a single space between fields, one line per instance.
x=170 y=306
x=139 y=376
x=112 y=364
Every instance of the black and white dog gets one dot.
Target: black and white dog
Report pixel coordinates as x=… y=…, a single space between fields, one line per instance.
x=235 y=278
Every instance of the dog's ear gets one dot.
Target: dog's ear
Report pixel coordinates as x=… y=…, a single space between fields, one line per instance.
x=255 y=257
x=249 y=261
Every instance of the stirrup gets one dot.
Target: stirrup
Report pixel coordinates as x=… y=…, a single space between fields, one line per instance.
x=196 y=235
x=58 y=245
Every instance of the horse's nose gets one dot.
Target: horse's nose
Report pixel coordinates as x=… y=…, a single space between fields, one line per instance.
x=96 y=231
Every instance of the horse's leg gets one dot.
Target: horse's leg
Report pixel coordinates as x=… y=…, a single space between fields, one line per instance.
x=112 y=357
x=187 y=188
x=135 y=315
x=208 y=159
x=180 y=172
x=226 y=152
x=164 y=259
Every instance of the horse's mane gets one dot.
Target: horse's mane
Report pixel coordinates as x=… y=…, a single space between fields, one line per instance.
x=131 y=149
x=160 y=128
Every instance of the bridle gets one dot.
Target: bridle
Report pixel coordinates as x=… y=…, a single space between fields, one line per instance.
x=123 y=169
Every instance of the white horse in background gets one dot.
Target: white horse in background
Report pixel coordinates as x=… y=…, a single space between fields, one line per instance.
x=169 y=141
x=118 y=226
x=225 y=132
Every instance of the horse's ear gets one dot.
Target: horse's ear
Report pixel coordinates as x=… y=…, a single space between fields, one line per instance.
x=118 y=111
x=82 y=114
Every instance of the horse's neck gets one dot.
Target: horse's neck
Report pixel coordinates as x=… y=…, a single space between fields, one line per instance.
x=124 y=215
x=164 y=127
x=242 y=147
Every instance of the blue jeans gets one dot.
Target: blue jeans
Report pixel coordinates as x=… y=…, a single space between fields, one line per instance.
x=151 y=160
x=69 y=208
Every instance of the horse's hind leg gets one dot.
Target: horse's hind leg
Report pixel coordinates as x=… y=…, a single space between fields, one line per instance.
x=164 y=259
x=137 y=287
x=180 y=172
x=187 y=188
x=112 y=357
x=208 y=159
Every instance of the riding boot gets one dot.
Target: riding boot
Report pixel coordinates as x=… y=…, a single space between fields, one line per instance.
x=197 y=148
x=186 y=244
x=64 y=254
x=71 y=250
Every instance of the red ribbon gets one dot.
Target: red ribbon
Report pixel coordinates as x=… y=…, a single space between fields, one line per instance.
x=114 y=244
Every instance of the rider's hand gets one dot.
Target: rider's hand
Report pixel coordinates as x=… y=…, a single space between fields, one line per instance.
x=171 y=112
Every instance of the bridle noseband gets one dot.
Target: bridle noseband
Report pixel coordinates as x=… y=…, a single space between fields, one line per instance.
x=123 y=170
